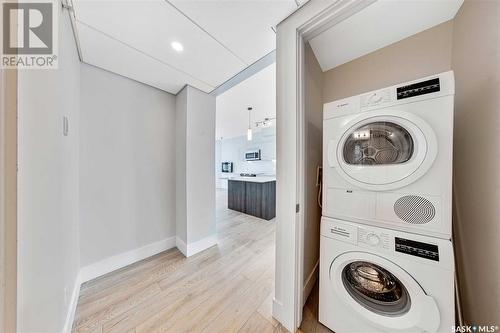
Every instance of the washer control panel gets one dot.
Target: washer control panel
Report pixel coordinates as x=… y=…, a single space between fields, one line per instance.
x=374 y=238
x=375 y=98
x=418 y=249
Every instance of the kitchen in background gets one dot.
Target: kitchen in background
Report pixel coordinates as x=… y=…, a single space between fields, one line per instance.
x=245 y=146
x=234 y=151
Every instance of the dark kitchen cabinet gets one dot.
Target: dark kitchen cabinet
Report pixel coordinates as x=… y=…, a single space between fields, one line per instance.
x=253 y=198
x=236 y=195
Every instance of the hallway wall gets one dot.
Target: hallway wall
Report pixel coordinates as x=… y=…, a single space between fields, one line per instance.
x=127 y=165
x=48 y=244
x=195 y=167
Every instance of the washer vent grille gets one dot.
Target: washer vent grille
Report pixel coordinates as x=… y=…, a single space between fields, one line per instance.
x=414 y=209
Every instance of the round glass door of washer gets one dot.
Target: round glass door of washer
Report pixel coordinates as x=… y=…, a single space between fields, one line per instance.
x=380 y=291
x=375 y=288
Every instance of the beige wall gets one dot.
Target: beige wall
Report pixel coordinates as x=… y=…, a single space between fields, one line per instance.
x=314 y=151
x=423 y=54
x=476 y=62
x=8 y=195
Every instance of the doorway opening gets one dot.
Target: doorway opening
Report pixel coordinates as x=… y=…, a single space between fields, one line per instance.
x=245 y=178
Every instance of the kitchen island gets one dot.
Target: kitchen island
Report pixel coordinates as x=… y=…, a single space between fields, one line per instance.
x=254 y=196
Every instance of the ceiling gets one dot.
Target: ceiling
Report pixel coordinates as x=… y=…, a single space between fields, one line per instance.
x=220 y=38
x=380 y=24
x=258 y=91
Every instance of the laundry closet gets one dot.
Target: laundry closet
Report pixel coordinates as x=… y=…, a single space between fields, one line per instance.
x=384 y=122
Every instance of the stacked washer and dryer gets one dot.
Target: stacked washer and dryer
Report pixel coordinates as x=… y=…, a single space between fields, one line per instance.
x=386 y=257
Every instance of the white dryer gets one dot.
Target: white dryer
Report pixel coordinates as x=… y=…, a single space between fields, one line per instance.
x=384 y=281
x=388 y=157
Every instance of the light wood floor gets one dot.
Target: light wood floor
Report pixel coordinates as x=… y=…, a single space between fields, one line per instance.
x=227 y=288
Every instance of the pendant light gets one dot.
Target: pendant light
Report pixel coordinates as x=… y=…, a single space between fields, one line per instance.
x=249 y=130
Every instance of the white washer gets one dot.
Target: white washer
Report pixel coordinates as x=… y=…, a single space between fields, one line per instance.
x=387 y=157
x=375 y=280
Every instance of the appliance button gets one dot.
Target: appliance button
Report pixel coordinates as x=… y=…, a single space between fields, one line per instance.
x=375 y=98
x=372 y=239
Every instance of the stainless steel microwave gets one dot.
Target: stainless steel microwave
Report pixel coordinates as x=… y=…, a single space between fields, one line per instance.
x=227 y=167
x=252 y=155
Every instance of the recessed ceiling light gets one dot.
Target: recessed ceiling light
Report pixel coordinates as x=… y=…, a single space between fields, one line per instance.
x=177 y=46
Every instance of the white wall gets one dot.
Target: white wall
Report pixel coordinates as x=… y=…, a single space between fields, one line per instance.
x=195 y=184
x=180 y=165
x=286 y=304
x=48 y=250
x=257 y=91
x=200 y=160
x=233 y=150
x=127 y=165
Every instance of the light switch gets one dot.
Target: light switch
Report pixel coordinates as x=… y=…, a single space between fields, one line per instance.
x=65 y=126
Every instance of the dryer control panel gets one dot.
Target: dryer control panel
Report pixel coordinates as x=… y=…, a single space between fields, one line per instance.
x=418 y=88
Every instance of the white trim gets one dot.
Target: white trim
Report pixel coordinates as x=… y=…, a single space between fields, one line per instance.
x=292 y=33
x=118 y=261
x=70 y=316
x=301 y=179
x=309 y=284
x=195 y=247
x=252 y=69
x=202 y=244
x=277 y=310
x=181 y=246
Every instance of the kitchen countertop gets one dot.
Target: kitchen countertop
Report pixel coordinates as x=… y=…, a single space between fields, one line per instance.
x=257 y=179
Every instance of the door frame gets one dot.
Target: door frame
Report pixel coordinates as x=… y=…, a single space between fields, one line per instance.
x=8 y=194
x=292 y=34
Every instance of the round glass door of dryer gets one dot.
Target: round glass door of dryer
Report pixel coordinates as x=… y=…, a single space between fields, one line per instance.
x=383 y=150
x=378 y=143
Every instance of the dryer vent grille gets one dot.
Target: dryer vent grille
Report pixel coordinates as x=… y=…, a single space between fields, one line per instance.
x=414 y=209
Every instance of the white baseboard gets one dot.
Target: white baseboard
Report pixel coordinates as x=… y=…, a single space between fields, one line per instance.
x=279 y=315
x=195 y=247
x=202 y=244
x=70 y=316
x=309 y=284
x=181 y=246
x=277 y=310
x=118 y=261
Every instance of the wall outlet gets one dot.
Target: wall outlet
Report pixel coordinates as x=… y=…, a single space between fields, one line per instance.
x=319 y=175
x=66 y=295
x=65 y=126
